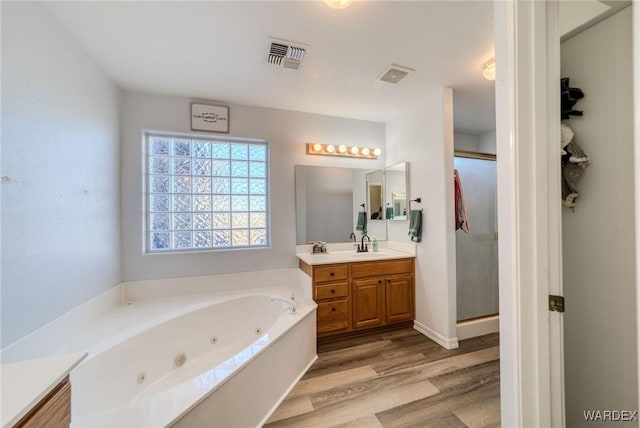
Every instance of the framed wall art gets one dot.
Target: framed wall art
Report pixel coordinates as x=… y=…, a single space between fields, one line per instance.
x=209 y=118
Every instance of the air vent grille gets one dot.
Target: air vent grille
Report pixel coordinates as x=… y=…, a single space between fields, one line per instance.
x=286 y=54
x=395 y=73
x=278 y=49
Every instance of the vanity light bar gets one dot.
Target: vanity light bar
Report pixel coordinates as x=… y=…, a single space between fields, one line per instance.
x=342 y=150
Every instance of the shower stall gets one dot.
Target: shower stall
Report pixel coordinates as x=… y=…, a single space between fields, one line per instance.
x=477 y=250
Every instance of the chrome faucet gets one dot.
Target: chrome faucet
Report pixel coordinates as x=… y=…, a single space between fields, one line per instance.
x=364 y=248
x=293 y=304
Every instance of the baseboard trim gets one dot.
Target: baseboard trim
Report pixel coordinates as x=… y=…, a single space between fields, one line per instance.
x=363 y=332
x=446 y=343
x=478 y=327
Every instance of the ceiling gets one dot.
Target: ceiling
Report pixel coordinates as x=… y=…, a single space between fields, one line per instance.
x=216 y=50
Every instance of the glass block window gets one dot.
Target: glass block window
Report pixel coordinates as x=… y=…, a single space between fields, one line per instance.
x=206 y=193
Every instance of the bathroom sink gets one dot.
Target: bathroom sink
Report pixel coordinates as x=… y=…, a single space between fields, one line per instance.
x=347 y=256
x=370 y=255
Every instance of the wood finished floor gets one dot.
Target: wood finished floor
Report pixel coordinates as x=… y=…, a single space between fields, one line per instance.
x=397 y=379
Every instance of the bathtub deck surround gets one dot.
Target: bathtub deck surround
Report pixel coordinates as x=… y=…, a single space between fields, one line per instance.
x=27 y=388
x=146 y=326
x=131 y=304
x=233 y=282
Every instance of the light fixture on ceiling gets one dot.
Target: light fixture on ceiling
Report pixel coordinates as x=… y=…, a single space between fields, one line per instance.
x=489 y=70
x=342 y=150
x=338 y=4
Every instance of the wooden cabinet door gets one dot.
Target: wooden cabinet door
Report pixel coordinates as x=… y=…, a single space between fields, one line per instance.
x=368 y=302
x=399 y=298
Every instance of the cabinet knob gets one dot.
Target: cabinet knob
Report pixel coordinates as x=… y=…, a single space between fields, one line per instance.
x=332 y=273
x=379 y=281
x=333 y=309
x=388 y=280
x=333 y=291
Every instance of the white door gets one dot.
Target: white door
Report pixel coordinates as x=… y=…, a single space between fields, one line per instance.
x=529 y=211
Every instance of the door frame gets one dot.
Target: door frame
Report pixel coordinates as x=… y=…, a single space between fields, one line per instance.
x=529 y=209
x=636 y=162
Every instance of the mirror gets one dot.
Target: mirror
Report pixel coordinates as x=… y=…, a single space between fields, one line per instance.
x=397 y=192
x=375 y=195
x=328 y=200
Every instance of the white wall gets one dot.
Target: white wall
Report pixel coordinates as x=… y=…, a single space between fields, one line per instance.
x=61 y=207
x=487 y=142
x=483 y=143
x=467 y=142
x=423 y=136
x=598 y=238
x=287 y=132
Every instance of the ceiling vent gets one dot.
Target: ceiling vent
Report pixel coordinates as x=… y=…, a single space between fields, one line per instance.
x=286 y=54
x=394 y=73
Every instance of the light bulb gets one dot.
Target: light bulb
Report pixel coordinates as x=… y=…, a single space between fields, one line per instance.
x=354 y=150
x=317 y=147
x=489 y=71
x=331 y=148
x=338 y=4
x=365 y=151
x=377 y=152
x=342 y=148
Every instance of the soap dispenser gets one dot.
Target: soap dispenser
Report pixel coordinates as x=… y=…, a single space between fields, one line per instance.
x=375 y=244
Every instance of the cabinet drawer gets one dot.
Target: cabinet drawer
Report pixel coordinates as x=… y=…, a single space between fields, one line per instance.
x=381 y=268
x=333 y=316
x=331 y=273
x=332 y=291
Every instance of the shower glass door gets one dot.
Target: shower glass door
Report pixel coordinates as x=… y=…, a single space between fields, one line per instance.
x=477 y=251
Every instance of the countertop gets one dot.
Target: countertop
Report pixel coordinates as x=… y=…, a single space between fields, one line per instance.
x=25 y=383
x=340 y=255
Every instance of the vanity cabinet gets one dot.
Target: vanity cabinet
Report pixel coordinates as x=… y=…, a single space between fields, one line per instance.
x=358 y=296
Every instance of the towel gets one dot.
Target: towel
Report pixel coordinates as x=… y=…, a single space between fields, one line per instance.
x=362 y=222
x=462 y=222
x=415 y=225
x=389 y=214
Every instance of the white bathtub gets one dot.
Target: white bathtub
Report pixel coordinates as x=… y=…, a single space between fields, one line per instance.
x=243 y=354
